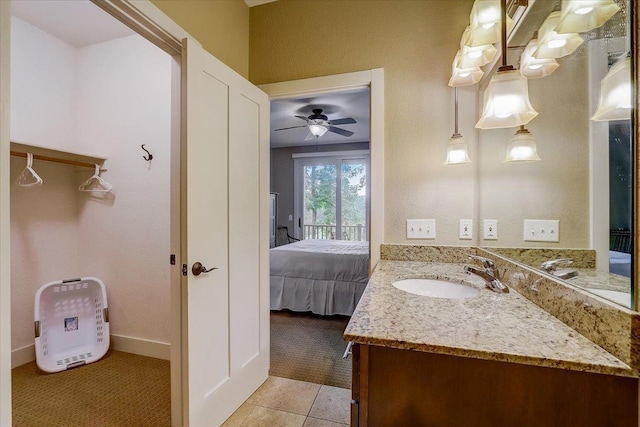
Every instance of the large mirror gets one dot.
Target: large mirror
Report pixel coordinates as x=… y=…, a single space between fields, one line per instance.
x=585 y=178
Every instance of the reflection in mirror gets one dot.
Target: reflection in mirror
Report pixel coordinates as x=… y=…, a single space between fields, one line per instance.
x=584 y=178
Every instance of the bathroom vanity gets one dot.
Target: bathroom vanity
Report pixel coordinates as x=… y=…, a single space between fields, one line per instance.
x=495 y=359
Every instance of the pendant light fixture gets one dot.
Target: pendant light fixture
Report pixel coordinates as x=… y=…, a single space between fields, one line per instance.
x=485 y=22
x=615 y=101
x=475 y=56
x=579 y=16
x=464 y=76
x=522 y=147
x=457 y=148
x=533 y=68
x=506 y=100
x=551 y=44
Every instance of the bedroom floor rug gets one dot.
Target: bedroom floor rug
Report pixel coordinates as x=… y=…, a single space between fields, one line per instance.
x=308 y=347
x=119 y=390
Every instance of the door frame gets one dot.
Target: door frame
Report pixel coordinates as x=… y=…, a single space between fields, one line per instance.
x=152 y=24
x=374 y=80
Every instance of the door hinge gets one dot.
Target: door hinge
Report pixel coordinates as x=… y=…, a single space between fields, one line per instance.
x=172 y=259
x=184 y=269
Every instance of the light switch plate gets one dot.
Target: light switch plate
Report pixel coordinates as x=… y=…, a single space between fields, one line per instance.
x=466 y=229
x=421 y=229
x=490 y=227
x=541 y=230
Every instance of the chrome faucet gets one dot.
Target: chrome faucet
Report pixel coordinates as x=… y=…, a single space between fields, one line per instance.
x=488 y=264
x=565 y=273
x=551 y=265
x=492 y=282
x=489 y=273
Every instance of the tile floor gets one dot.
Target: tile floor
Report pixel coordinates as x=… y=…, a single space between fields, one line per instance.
x=290 y=403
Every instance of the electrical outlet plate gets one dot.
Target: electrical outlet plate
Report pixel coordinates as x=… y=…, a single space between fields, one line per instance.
x=421 y=229
x=490 y=227
x=466 y=229
x=541 y=230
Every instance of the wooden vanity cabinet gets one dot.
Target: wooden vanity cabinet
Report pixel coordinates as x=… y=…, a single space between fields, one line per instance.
x=394 y=387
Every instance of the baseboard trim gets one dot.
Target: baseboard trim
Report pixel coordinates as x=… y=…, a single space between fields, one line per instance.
x=23 y=355
x=140 y=346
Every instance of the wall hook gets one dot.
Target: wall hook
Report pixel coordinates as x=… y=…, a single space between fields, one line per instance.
x=148 y=159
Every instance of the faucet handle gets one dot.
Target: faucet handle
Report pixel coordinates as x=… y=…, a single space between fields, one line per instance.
x=486 y=262
x=552 y=264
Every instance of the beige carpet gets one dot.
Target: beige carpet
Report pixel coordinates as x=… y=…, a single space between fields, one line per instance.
x=307 y=347
x=121 y=389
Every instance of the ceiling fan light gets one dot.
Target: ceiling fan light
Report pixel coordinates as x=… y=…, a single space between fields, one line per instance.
x=485 y=25
x=551 y=44
x=615 y=101
x=317 y=130
x=533 y=68
x=506 y=102
x=463 y=76
x=475 y=56
x=457 y=151
x=522 y=147
x=579 y=16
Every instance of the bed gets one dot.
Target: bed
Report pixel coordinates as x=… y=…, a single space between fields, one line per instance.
x=324 y=277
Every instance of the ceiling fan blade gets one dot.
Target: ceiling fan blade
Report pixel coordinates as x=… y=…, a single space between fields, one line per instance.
x=345 y=121
x=306 y=119
x=292 y=127
x=340 y=131
x=310 y=137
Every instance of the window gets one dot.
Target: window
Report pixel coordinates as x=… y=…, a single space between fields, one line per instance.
x=331 y=196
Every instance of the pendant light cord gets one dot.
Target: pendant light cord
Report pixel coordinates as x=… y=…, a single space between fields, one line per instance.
x=456 y=112
x=503 y=30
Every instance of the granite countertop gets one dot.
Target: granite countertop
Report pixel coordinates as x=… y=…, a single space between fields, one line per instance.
x=492 y=326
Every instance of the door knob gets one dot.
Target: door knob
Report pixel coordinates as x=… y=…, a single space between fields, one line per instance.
x=199 y=268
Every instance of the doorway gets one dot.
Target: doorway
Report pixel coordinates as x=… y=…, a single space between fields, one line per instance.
x=338 y=196
x=98 y=106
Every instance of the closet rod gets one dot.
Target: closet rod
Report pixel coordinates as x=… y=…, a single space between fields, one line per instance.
x=53 y=159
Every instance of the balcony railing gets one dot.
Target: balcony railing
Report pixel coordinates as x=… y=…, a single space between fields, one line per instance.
x=328 y=232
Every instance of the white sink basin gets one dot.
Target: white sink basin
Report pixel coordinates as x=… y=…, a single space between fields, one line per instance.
x=436 y=288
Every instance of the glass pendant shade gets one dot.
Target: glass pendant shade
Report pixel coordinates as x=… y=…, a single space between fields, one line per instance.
x=552 y=44
x=579 y=16
x=615 y=93
x=522 y=147
x=464 y=76
x=457 y=151
x=533 y=68
x=485 y=23
x=476 y=56
x=506 y=102
x=317 y=130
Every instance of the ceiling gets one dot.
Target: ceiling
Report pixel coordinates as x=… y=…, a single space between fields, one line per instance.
x=337 y=105
x=79 y=23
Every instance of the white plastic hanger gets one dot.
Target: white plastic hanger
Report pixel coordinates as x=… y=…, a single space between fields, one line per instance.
x=29 y=177
x=95 y=183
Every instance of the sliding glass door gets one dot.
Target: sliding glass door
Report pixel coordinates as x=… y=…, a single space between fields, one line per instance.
x=332 y=197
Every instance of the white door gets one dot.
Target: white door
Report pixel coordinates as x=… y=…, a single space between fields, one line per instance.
x=227 y=190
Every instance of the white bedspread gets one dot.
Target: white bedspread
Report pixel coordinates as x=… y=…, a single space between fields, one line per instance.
x=322 y=276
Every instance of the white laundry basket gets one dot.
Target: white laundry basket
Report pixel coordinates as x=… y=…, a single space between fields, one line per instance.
x=71 y=323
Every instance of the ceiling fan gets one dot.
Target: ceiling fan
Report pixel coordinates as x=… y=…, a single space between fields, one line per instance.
x=319 y=124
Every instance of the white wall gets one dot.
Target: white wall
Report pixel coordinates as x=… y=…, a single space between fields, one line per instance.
x=43 y=74
x=114 y=96
x=124 y=101
x=44 y=240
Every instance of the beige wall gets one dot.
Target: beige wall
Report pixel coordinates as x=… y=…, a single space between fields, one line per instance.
x=414 y=41
x=222 y=26
x=556 y=187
